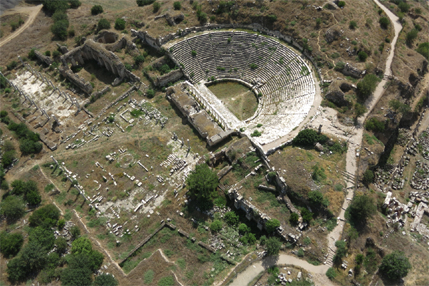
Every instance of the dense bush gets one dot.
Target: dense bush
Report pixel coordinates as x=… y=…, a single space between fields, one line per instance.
x=216 y=225
x=373 y=124
x=411 y=36
x=404 y=7
x=144 y=2
x=384 y=22
x=273 y=245
x=294 y=218
x=272 y=225
x=368 y=177
x=308 y=137
x=341 y=4
x=331 y=273
x=423 y=49
x=362 y=56
x=11 y=65
x=361 y=208
x=96 y=9
x=352 y=25
x=103 y=24
x=55 y=5
x=177 y=5
x=61 y=24
x=105 y=280
x=156 y=6
x=138 y=60
x=119 y=24
x=231 y=218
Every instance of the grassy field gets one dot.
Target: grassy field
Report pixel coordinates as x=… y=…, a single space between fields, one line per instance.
x=239 y=99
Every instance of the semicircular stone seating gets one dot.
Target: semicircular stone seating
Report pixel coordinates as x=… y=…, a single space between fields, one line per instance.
x=271 y=68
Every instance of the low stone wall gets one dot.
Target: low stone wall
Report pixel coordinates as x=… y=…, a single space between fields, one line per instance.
x=85 y=86
x=172 y=76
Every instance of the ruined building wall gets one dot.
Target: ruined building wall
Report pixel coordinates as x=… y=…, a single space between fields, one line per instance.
x=170 y=77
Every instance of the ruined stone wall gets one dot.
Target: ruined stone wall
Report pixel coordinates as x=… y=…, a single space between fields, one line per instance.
x=172 y=76
x=85 y=86
x=43 y=58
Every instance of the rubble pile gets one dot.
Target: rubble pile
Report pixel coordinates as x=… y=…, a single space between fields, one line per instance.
x=420 y=179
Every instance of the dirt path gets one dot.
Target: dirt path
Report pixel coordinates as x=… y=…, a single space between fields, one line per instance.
x=354 y=140
x=30 y=11
x=253 y=270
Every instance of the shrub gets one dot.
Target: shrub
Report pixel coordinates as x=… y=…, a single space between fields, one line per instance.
x=404 y=7
x=294 y=219
x=56 y=54
x=216 y=225
x=96 y=9
x=103 y=24
x=395 y=265
x=384 y=22
x=75 y=231
x=368 y=177
x=341 y=4
x=231 y=218
x=362 y=56
x=12 y=65
x=177 y=5
x=48 y=53
x=156 y=6
x=353 y=25
x=423 y=49
x=150 y=93
x=193 y=53
x=331 y=273
x=271 y=225
x=373 y=124
x=144 y=2
x=253 y=66
x=105 y=280
x=300 y=252
x=272 y=18
x=339 y=66
x=119 y=24
x=256 y=133
x=411 y=36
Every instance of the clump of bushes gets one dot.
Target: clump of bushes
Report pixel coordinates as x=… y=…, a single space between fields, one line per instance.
x=309 y=137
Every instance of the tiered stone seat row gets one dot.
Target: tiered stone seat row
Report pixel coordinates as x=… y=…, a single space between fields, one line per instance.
x=183 y=54
x=202 y=45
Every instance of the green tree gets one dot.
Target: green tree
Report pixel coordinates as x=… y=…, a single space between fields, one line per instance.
x=202 y=183
x=33 y=198
x=119 y=24
x=271 y=225
x=76 y=276
x=361 y=209
x=34 y=256
x=55 y=5
x=359 y=109
x=307 y=216
x=411 y=36
x=11 y=243
x=384 y=22
x=46 y=216
x=75 y=231
x=404 y=7
x=12 y=208
x=294 y=219
x=139 y=60
x=150 y=93
x=366 y=86
x=243 y=228
x=103 y=24
x=105 y=280
x=216 y=225
x=16 y=270
x=395 y=265
x=273 y=245
x=317 y=200
x=43 y=237
x=308 y=137
x=81 y=245
x=61 y=244
x=231 y=218
x=96 y=9
x=341 y=251
x=177 y=5
x=362 y=56
x=368 y=177
x=59 y=29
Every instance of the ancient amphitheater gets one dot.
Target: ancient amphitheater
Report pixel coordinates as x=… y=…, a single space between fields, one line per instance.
x=282 y=79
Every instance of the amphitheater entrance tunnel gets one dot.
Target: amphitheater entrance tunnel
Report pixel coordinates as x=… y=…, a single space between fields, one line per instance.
x=238 y=98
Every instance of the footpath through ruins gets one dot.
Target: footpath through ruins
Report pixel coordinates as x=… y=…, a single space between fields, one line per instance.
x=354 y=139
